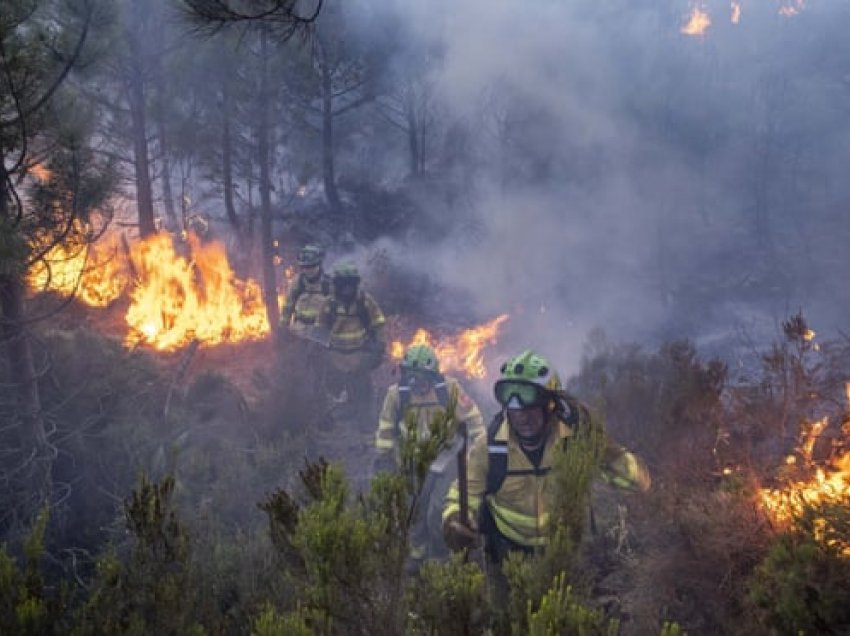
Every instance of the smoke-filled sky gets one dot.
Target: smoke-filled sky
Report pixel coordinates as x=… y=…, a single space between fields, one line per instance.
x=642 y=180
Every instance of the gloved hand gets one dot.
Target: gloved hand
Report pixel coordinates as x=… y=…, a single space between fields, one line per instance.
x=457 y=535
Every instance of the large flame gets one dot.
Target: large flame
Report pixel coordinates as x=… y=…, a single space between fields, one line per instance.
x=698 y=22
x=464 y=352
x=95 y=272
x=176 y=299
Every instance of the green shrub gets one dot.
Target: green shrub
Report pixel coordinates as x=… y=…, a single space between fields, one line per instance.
x=560 y=614
x=802 y=584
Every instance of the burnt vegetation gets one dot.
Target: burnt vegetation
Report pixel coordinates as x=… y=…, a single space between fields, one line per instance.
x=213 y=490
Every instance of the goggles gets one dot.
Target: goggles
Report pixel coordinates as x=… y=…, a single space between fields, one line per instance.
x=518 y=394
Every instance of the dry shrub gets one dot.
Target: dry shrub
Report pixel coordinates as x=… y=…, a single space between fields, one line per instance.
x=700 y=546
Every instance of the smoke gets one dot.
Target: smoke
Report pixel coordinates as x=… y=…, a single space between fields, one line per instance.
x=631 y=177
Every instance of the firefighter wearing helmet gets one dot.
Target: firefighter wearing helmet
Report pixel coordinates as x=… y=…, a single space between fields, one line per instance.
x=509 y=478
x=423 y=390
x=354 y=323
x=307 y=293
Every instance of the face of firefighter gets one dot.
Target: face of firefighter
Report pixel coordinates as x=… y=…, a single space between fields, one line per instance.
x=529 y=425
x=311 y=272
x=345 y=290
x=421 y=383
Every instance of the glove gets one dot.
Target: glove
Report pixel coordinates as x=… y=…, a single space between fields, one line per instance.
x=457 y=535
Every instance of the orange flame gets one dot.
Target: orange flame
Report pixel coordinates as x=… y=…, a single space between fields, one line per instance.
x=92 y=271
x=176 y=299
x=698 y=22
x=41 y=173
x=736 y=11
x=463 y=352
x=828 y=484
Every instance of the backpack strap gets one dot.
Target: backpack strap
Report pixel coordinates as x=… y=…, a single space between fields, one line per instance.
x=497 y=454
x=497 y=451
x=403 y=403
x=440 y=388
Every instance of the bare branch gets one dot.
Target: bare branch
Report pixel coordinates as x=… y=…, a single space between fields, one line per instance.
x=211 y=16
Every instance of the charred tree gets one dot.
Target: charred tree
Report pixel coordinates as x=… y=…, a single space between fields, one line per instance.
x=34 y=68
x=328 y=167
x=264 y=134
x=227 y=155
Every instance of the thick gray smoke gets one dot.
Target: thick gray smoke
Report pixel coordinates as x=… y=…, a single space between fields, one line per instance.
x=639 y=179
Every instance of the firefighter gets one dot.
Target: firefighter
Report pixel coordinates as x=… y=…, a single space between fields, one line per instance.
x=307 y=293
x=508 y=475
x=423 y=390
x=354 y=324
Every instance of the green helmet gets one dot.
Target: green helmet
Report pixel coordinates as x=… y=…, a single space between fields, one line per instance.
x=420 y=357
x=527 y=380
x=346 y=271
x=310 y=256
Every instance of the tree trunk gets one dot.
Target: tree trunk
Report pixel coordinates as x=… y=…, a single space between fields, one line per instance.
x=266 y=234
x=328 y=168
x=167 y=193
x=227 y=157
x=33 y=461
x=141 y=161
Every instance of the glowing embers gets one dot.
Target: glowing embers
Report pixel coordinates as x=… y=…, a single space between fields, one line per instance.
x=464 y=352
x=698 y=22
x=176 y=299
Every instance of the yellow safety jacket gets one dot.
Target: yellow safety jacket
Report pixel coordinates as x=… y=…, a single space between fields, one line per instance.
x=521 y=506
x=304 y=301
x=351 y=324
x=391 y=420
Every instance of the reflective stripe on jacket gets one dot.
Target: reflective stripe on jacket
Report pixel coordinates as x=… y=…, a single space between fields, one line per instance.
x=521 y=506
x=310 y=298
x=391 y=422
x=347 y=331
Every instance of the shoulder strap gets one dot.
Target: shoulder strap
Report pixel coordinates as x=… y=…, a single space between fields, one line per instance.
x=441 y=388
x=403 y=403
x=497 y=454
x=326 y=285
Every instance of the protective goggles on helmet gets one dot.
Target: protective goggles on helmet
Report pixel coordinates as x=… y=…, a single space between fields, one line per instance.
x=521 y=395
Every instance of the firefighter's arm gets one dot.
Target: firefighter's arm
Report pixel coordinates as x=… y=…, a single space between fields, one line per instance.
x=467 y=412
x=385 y=436
x=325 y=319
x=288 y=307
x=376 y=316
x=476 y=463
x=623 y=469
